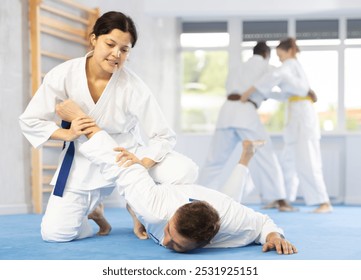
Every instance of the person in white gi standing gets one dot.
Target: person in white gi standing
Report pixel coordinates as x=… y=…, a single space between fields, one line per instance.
x=238 y=121
x=182 y=217
x=301 y=157
x=119 y=101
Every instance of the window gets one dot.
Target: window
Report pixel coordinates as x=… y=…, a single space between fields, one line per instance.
x=207 y=48
x=352 y=90
x=317 y=29
x=264 y=30
x=204 y=72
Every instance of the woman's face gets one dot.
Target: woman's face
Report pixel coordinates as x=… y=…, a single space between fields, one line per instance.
x=111 y=50
x=283 y=54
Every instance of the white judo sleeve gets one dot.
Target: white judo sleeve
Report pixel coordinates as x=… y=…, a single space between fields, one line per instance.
x=99 y=150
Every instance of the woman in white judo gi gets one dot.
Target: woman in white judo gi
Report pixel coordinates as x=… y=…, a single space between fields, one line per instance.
x=301 y=157
x=118 y=100
x=183 y=217
x=238 y=121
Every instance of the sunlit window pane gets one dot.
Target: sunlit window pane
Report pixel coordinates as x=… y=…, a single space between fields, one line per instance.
x=203 y=88
x=353 y=89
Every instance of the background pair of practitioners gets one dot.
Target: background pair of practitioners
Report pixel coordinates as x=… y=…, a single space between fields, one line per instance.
x=181 y=217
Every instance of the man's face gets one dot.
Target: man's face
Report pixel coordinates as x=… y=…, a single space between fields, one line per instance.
x=174 y=241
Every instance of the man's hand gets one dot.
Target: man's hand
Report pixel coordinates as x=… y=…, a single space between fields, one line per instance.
x=313 y=95
x=275 y=241
x=68 y=110
x=125 y=158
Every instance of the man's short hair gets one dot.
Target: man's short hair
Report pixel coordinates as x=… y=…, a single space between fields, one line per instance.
x=262 y=49
x=197 y=221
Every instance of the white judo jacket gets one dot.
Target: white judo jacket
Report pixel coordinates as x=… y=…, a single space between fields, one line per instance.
x=302 y=119
x=238 y=114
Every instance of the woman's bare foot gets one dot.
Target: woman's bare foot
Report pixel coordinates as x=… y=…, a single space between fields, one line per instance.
x=138 y=228
x=323 y=208
x=249 y=149
x=98 y=217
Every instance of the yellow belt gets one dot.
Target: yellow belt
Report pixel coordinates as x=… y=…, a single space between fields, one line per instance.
x=296 y=98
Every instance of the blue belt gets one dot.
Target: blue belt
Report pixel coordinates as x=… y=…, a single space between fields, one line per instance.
x=65 y=166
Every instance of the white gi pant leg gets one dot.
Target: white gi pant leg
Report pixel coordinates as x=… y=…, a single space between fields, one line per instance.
x=239 y=184
x=66 y=218
x=264 y=166
x=288 y=163
x=175 y=168
x=224 y=141
x=301 y=160
x=309 y=168
x=265 y=169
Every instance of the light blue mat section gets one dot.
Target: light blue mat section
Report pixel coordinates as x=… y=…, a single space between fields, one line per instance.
x=335 y=236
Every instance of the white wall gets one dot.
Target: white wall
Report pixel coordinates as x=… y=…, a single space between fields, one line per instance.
x=14 y=82
x=352 y=166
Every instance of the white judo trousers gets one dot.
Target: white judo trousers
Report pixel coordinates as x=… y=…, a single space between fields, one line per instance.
x=154 y=204
x=301 y=157
x=264 y=166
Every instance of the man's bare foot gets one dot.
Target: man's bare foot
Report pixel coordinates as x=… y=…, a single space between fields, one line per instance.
x=98 y=217
x=68 y=110
x=249 y=149
x=284 y=206
x=138 y=228
x=323 y=208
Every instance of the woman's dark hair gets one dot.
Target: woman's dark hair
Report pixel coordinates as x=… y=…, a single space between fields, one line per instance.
x=115 y=20
x=197 y=221
x=287 y=44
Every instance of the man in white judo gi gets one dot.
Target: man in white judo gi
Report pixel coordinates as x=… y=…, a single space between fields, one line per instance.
x=238 y=121
x=181 y=217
